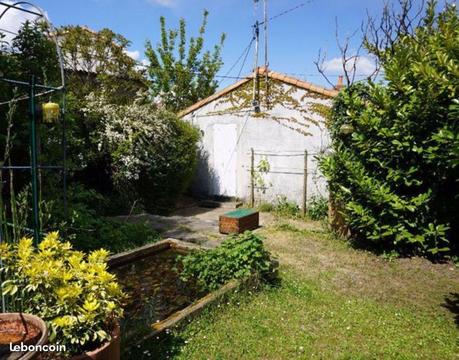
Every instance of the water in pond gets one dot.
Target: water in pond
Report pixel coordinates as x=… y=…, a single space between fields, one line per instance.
x=155 y=292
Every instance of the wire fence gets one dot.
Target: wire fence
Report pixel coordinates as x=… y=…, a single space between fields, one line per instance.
x=290 y=174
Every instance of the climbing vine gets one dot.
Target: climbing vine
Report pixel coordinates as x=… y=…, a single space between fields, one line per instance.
x=263 y=168
x=304 y=110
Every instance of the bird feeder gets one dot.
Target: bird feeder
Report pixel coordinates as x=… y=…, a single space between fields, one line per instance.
x=346 y=129
x=50 y=112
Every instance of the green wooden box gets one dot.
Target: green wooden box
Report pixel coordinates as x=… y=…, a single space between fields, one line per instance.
x=238 y=221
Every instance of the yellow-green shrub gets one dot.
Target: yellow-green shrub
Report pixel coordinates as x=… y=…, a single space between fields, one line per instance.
x=74 y=293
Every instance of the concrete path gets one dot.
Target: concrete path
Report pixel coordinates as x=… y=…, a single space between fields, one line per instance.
x=196 y=223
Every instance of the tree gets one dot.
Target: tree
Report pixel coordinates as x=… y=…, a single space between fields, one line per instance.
x=98 y=59
x=181 y=77
x=30 y=52
x=399 y=18
x=396 y=175
x=96 y=62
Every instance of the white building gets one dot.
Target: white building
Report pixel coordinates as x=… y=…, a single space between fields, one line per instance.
x=291 y=120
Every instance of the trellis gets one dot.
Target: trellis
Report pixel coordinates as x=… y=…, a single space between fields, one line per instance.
x=35 y=92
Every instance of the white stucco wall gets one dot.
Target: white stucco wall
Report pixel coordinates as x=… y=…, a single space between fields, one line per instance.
x=283 y=146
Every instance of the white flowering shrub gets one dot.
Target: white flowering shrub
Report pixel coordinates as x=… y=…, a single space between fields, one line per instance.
x=151 y=151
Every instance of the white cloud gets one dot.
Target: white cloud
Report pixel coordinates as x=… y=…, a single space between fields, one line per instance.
x=165 y=3
x=364 y=65
x=12 y=20
x=133 y=54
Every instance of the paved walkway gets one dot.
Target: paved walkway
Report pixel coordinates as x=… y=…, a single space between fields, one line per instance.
x=196 y=223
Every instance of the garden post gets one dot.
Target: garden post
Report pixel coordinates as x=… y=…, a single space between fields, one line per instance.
x=305 y=183
x=34 y=160
x=252 y=178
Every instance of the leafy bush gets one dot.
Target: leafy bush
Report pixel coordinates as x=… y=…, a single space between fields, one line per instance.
x=87 y=230
x=151 y=152
x=284 y=207
x=396 y=175
x=76 y=295
x=238 y=257
x=318 y=208
x=265 y=207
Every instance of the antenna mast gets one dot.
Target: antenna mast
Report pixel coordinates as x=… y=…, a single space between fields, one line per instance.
x=256 y=78
x=265 y=24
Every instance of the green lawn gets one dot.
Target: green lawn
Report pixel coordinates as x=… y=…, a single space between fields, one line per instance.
x=333 y=302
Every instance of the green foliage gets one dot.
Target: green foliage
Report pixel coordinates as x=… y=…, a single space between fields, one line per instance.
x=265 y=207
x=160 y=186
x=318 y=208
x=75 y=294
x=89 y=68
x=238 y=257
x=284 y=207
x=33 y=54
x=180 y=77
x=397 y=174
x=87 y=230
x=152 y=153
x=259 y=173
x=90 y=71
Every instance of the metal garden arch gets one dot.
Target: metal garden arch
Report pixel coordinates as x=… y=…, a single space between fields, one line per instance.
x=35 y=91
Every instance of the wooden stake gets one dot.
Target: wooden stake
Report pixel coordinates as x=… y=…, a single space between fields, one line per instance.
x=305 y=183
x=252 y=178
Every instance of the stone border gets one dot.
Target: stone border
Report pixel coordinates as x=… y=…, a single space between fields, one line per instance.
x=187 y=312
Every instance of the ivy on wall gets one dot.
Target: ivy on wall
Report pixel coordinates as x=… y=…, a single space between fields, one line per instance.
x=277 y=94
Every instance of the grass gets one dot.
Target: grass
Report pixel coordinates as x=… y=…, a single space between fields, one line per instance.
x=334 y=302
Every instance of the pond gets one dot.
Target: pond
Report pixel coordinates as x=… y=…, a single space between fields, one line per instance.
x=154 y=292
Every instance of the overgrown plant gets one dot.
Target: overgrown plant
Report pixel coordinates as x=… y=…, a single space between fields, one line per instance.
x=74 y=293
x=87 y=230
x=238 y=257
x=285 y=207
x=152 y=153
x=318 y=208
x=396 y=175
x=262 y=169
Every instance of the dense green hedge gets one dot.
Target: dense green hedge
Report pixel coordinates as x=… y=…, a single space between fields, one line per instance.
x=397 y=174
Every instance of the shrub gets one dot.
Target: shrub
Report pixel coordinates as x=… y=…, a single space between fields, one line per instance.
x=75 y=294
x=284 y=207
x=396 y=175
x=238 y=257
x=150 y=152
x=318 y=208
x=265 y=207
x=88 y=231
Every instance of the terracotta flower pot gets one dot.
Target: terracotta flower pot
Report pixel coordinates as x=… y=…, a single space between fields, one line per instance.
x=108 y=351
x=17 y=329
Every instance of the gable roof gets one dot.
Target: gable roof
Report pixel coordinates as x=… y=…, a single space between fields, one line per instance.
x=272 y=75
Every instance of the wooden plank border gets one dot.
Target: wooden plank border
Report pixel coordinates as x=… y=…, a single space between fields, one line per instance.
x=191 y=310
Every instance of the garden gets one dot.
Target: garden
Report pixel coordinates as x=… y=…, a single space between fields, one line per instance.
x=89 y=141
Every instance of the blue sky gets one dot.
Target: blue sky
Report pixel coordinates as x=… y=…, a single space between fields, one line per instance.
x=294 y=38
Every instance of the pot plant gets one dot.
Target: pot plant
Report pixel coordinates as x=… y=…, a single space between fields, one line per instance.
x=18 y=329
x=72 y=292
